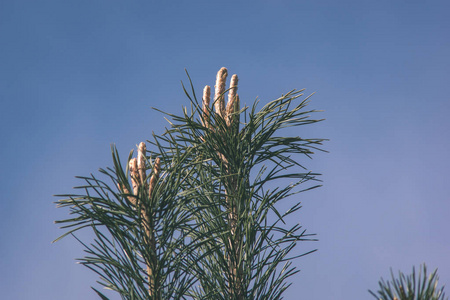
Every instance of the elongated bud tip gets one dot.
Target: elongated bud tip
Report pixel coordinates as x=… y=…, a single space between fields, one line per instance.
x=206 y=95
x=141 y=154
x=234 y=81
x=142 y=147
x=222 y=74
x=219 y=90
x=205 y=108
x=134 y=174
x=141 y=161
x=233 y=102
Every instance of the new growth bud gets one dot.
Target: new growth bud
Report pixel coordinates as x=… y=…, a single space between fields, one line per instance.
x=206 y=101
x=219 y=101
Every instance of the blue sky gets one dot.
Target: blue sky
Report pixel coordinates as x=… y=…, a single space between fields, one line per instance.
x=77 y=76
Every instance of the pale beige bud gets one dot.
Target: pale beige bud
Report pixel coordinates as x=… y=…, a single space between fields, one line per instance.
x=155 y=176
x=231 y=107
x=134 y=174
x=206 y=101
x=219 y=101
x=233 y=88
x=141 y=161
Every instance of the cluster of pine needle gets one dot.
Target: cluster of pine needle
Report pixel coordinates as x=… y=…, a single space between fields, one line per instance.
x=197 y=216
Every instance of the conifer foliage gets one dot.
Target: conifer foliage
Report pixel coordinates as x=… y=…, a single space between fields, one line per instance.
x=411 y=287
x=196 y=216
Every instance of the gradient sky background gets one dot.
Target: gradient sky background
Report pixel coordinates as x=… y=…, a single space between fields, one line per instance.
x=77 y=76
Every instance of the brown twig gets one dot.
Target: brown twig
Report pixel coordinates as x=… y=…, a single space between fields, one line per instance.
x=124 y=190
x=230 y=117
x=150 y=230
x=137 y=169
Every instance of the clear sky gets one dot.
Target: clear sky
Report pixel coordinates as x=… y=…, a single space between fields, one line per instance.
x=77 y=76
